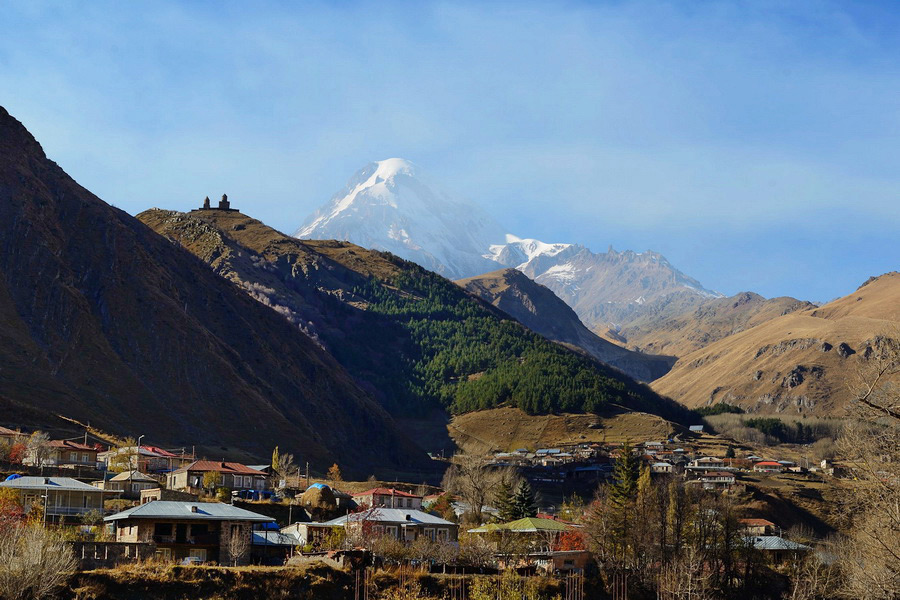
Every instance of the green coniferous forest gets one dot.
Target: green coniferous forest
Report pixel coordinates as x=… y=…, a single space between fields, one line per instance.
x=466 y=355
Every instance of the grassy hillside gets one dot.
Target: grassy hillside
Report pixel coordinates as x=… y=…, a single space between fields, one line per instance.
x=805 y=362
x=414 y=338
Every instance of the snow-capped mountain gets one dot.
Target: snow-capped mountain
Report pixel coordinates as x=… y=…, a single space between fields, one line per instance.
x=391 y=205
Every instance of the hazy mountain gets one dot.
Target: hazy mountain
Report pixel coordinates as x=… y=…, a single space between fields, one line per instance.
x=541 y=310
x=676 y=332
x=107 y=322
x=802 y=362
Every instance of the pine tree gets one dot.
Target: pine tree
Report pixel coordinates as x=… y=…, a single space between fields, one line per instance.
x=523 y=501
x=503 y=498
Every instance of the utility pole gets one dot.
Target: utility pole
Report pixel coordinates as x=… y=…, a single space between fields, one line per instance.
x=307 y=474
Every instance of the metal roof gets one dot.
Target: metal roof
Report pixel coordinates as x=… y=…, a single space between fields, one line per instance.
x=206 y=511
x=773 y=542
x=391 y=515
x=66 y=484
x=133 y=476
x=526 y=525
x=274 y=538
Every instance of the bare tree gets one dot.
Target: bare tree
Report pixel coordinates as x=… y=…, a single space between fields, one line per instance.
x=473 y=481
x=34 y=562
x=871 y=447
x=38 y=448
x=238 y=543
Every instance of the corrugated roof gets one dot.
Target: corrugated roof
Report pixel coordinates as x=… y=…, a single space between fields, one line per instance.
x=49 y=483
x=224 y=467
x=69 y=445
x=391 y=515
x=526 y=525
x=274 y=538
x=773 y=542
x=206 y=511
x=133 y=476
x=386 y=492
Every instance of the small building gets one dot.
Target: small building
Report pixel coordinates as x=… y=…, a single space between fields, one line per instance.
x=66 y=453
x=62 y=499
x=146 y=459
x=707 y=463
x=405 y=525
x=660 y=468
x=129 y=484
x=231 y=475
x=717 y=479
x=9 y=437
x=696 y=429
x=775 y=548
x=388 y=498
x=205 y=531
x=758 y=527
x=768 y=466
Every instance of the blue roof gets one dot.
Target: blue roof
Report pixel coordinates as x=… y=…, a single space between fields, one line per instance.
x=319 y=486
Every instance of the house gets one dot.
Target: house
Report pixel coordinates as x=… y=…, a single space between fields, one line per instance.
x=768 y=466
x=776 y=549
x=707 y=463
x=65 y=453
x=696 y=429
x=206 y=531
x=62 y=499
x=758 y=527
x=146 y=459
x=231 y=475
x=541 y=533
x=129 y=484
x=388 y=498
x=659 y=468
x=403 y=524
x=8 y=436
x=717 y=479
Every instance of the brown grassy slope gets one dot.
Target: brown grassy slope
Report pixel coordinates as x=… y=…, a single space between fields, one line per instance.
x=539 y=309
x=108 y=323
x=795 y=362
x=680 y=332
x=507 y=429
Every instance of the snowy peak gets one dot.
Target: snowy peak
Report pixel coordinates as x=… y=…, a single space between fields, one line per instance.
x=392 y=205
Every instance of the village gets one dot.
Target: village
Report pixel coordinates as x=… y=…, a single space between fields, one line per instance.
x=141 y=503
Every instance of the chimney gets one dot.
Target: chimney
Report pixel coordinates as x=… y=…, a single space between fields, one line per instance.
x=193 y=508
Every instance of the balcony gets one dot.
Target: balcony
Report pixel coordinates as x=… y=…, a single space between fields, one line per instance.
x=204 y=539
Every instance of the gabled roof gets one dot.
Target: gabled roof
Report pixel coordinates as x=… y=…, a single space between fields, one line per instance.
x=69 y=445
x=386 y=492
x=4 y=431
x=757 y=522
x=526 y=525
x=182 y=511
x=391 y=515
x=66 y=484
x=133 y=476
x=773 y=542
x=224 y=467
x=768 y=463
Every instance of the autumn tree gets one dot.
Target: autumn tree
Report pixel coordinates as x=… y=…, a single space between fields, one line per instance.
x=38 y=448
x=211 y=480
x=34 y=562
x=472 y=481
x=334 y=473
x=283 y=465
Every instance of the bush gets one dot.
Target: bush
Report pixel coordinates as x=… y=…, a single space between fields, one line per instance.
x=34 y=562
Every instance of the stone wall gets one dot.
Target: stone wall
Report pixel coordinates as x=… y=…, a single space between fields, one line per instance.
x=101 y=555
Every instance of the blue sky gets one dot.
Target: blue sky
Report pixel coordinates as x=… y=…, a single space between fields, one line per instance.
x=754 y=144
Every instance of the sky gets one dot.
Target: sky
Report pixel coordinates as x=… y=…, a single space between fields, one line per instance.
x=754 y=144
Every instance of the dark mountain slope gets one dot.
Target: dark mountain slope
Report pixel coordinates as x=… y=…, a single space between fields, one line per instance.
x=105 y=321
x=539 y=309
x=414 y=337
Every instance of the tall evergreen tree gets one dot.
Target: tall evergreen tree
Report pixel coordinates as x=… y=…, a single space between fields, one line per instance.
x=523 y=501
x=503 y=498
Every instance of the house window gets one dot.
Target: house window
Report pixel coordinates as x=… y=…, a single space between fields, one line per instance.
x=85 y=457
x=248 y=482
x=429 y=533
x=391 y=531
x=442 y=535
x=73 y=456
